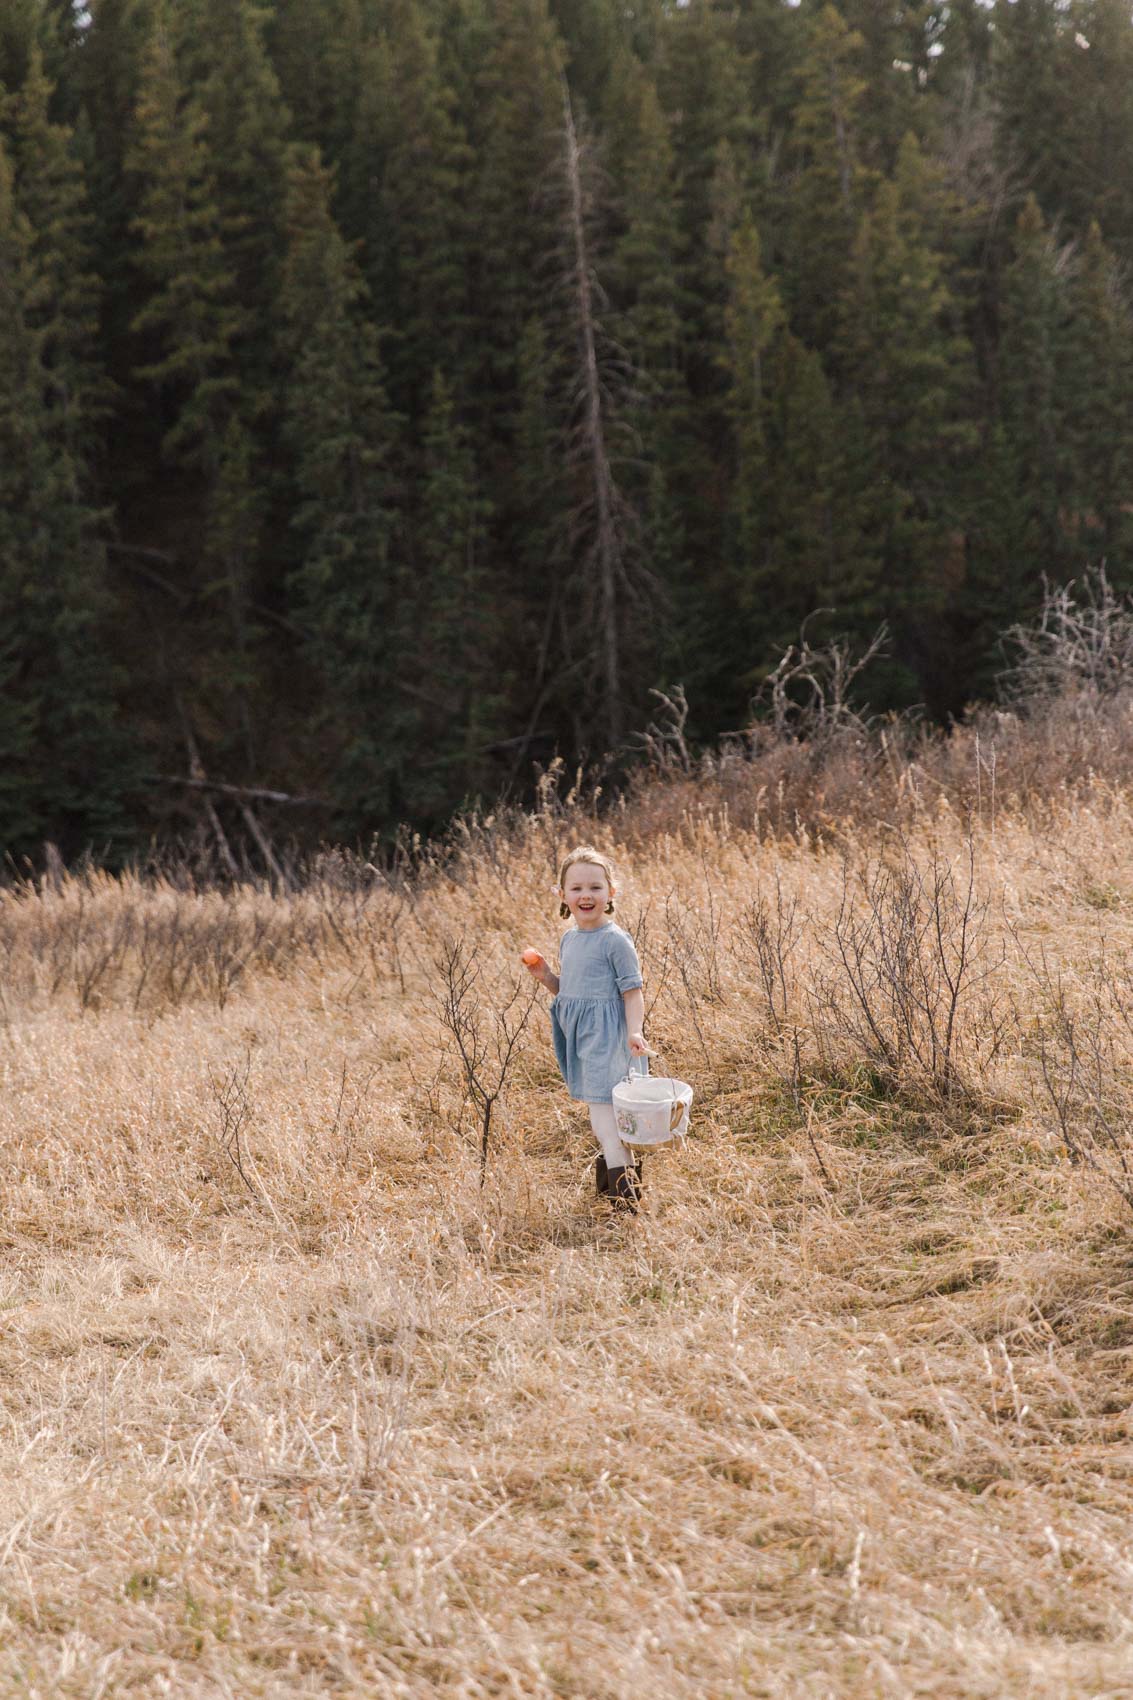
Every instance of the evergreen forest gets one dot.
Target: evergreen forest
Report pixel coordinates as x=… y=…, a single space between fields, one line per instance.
x=394 y=392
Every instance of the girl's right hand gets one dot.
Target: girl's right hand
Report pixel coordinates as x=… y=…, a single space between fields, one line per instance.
x=540 y=969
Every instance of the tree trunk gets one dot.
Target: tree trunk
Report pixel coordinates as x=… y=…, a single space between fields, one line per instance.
x=605 y=550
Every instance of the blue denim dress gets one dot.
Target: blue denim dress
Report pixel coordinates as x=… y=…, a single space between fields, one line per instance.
x=588 y=1021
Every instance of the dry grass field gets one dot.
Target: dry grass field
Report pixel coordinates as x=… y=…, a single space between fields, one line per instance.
x=293 y=1406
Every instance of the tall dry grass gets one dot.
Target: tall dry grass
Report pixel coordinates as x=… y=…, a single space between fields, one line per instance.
x=294 y=1406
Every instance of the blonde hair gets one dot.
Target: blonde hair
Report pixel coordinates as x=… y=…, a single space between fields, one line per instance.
x=584 y=853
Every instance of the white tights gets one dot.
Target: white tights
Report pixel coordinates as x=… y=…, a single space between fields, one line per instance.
x=606 y=1133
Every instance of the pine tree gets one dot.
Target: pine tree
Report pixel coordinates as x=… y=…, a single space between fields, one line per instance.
x=893 y=64
x=19 y=32
x=514 y=129
x=1097 y=185
x=907 y=364
x=318 y=55
x=644 y=284
x=1021 y=485
x=829 y=184
x=340 y=438
x=106 y=75
x=752 y=318
x=704 y=85
x=192 y=317
x=458 y=660
x=819 y=554
x=50 y=192
x=405 y=182
x=1032 y=94
x=539 y=502
x=221 y=57
x=191 y=333
x=47 y=31
x=1032 y=319
x=63 y=762
x=1097 y=384
x=232 y=524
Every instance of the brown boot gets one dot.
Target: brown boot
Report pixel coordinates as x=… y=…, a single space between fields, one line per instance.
x=624 y=1191
x=601 y=1177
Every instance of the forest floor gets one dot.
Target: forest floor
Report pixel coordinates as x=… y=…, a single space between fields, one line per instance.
x=293 y=1406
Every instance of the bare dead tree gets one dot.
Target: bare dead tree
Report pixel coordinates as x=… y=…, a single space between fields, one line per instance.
x=485 y=1031
x=809 y=691
x=604 y=527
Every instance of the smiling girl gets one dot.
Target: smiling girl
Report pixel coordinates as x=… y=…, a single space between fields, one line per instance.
x=598 y=1010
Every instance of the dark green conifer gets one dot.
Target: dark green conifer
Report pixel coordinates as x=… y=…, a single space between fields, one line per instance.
x=753 y=317
x=405 y=185
x=458 y=659
x=1032 y=94
x=1097 y=183
x=1030 y=411
x=318 y=54
x=819 y=556
x=222 y=60
x=666 y=465
x=1097 y=390
x=514 y=130
x=829 y=182
x=64 y=764
x=907 y=364
x=50 y=192
x=192 y=316
x=339 y=435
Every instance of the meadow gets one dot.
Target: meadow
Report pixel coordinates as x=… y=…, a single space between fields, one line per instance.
x=298 y=1400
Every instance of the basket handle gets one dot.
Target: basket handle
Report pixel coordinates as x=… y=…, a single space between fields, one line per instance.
x=633 y=1073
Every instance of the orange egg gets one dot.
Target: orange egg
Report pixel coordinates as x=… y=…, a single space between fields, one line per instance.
x=532 y=958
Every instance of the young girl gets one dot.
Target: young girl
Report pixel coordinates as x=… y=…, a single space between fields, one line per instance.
x=598 y=1011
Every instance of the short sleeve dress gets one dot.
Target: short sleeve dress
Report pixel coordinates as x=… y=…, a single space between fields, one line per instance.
x=588 y=1022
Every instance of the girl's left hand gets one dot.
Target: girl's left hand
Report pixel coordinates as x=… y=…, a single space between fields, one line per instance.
x=638 y=1047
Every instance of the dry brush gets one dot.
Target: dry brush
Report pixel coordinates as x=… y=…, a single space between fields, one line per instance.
x=309 y=1387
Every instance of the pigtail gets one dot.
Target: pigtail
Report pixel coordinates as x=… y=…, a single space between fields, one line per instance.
x=564 y=912
x=609 y=907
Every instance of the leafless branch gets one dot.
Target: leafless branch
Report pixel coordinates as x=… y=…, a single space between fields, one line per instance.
x=486 y=1030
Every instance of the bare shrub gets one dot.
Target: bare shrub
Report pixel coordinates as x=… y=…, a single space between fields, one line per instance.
x=234 y=1108
x=485 y=1025
x=693 y=944
x=350 y=1103
x=905 y=982
x=99 y=950
x=1082 y=640
x=655 y=954
x=810 y=757
x=766 y=934
x=663 y=741
x=1084 y=1041
x=809 y=692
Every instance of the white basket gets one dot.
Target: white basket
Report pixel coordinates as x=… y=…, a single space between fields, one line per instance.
x=651 y=1110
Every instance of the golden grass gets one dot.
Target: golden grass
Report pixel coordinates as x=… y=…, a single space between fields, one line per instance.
x=847 y=1412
